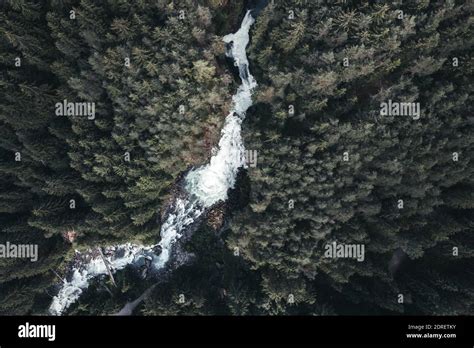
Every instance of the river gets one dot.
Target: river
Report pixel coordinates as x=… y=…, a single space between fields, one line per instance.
x=204 y=186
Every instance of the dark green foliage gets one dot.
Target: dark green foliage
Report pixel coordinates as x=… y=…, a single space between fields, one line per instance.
x=109 y=179
x=300 y=62
x=34 y=194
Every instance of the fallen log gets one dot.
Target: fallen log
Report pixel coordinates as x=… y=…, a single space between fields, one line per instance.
x=130 y=306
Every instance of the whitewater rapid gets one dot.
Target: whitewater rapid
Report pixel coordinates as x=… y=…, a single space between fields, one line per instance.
x=91 y=266
x=210 y=183
x=204 y=186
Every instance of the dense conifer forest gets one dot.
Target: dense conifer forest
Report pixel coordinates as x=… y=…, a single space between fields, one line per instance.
x=331 y=167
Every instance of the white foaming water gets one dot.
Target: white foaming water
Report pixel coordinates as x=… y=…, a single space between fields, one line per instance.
x=118 y=258
x=210 y=183
x=205 y=185
x=186 y=213
x=121 y=256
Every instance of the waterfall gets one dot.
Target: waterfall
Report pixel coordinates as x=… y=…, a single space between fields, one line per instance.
x=204 y=186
